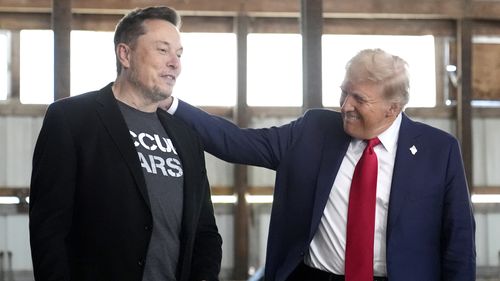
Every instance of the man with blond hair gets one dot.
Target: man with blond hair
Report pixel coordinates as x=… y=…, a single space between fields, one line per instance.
x=404 y=214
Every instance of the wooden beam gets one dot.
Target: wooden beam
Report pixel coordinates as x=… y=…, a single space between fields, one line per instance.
x=371 y=26
x=95 y=22
x=18 y=21
x=332 y=8
x=274 y=25
x=311 y=23
x=395 y=8
x=241 y=118
x=484 y=10
x=464 y=94
x=15 y=65
x=61 y=25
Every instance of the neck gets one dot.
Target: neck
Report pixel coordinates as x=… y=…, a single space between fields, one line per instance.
x=131 y=96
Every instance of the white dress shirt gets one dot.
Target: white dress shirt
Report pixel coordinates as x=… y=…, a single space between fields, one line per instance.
x=173 y=107
x=327 y=249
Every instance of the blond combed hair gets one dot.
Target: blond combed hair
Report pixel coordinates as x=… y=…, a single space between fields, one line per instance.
x=381 y=68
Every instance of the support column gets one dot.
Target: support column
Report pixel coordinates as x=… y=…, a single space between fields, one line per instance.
x=241 y=211
x=311 y=24
x=61 y=25
x=15 y=47
x=464 y=94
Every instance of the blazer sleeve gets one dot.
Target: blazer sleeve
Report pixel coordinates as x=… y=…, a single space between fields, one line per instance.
x=263 y=147
x=51 y=197
x=458 y=236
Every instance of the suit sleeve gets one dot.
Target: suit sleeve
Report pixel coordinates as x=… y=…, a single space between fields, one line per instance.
x=51 y=197
x=458 y=237
x=207 y=253
x=259 y=147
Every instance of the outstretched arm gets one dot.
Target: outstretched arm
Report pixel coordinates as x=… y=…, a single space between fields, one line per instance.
x=260 y=147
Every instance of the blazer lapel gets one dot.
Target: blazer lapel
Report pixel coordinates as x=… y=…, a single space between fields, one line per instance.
x=114 y=123
x=191 y=176
x=404 y=166
x=335 y=146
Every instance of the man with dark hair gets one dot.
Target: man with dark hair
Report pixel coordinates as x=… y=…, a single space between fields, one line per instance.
x=119 y=189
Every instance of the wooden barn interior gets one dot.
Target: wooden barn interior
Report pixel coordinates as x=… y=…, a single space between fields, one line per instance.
x=464 y=38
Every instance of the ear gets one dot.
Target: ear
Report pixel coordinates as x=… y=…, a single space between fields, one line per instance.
x=123 y=55
x=393 y=110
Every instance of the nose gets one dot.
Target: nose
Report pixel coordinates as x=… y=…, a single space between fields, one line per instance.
x=174 y=62
x=345 y=102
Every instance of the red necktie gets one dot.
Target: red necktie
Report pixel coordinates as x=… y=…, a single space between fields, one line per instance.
x=361 y=217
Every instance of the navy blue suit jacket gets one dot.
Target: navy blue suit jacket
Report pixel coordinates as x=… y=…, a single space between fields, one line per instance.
x=430 y=226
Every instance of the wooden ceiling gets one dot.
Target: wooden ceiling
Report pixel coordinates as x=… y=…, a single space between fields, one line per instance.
x=451 y=9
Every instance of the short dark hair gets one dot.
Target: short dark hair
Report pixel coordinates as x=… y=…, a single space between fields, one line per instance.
x=130 y=27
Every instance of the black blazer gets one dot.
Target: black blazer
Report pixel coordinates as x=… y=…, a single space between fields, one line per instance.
x=90 y=216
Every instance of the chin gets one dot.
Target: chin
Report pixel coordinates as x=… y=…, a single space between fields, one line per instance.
x=353 y=133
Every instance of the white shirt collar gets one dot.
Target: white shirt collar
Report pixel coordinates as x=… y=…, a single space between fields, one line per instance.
x=389 y=137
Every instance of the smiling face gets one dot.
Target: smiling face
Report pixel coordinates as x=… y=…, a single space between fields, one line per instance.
x=374 y=91
x=152 y=63
x=365 y=111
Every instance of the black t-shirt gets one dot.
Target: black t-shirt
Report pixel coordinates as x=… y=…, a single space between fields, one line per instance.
x=163 y=172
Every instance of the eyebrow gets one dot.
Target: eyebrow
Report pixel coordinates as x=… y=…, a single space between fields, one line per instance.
x=356 y=95
x=168 y=44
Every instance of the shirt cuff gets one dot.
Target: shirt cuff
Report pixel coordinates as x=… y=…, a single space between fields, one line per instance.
x=173 y=106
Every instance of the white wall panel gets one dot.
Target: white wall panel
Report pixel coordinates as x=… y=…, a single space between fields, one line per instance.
x=3 y=233
x=493 y=222
x=264 y=221
x=225 y=223
x=492 y=141
x=258 y=176
x=219 y=173
x=3 y=152
x=481 y=239
x=443 y=124
x=18 y=242
x=20 y=137
x=479 y=152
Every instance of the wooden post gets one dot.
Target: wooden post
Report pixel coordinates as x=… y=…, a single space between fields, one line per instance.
x=311 y=23
x=241 y=212
x=464 y=94
x=61 y=25
x=15 y=47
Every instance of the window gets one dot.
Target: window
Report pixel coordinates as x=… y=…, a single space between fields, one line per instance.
x=37 y=66
x=208 y=74
x=93 y=62
x=4 y=66
x=418 y=51
x=274 y=70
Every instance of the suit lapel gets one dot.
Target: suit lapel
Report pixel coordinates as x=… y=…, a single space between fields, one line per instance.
x=335 y=146
x=113 y=121
x=189 y=161
x=404 y=166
